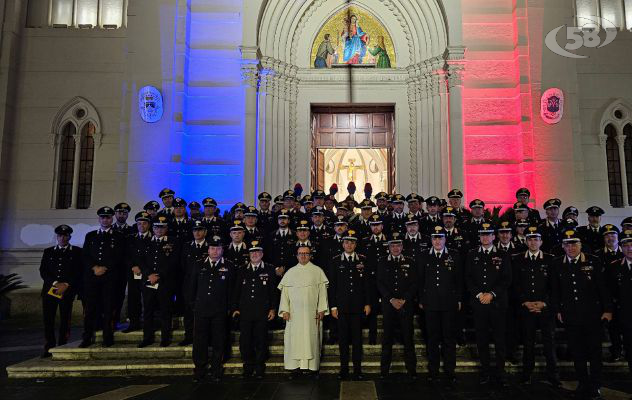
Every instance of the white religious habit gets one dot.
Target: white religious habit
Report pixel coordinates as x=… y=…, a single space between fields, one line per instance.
x=303 y=295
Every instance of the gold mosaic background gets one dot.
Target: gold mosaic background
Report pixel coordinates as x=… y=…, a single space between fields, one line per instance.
x=369 y=24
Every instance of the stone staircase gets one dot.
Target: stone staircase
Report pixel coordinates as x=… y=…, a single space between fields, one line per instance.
x=126 y=359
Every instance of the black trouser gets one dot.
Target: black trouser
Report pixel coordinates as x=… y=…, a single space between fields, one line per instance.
x=585 y=344
x=99 y=294
x=489 y=321
x=253 y=344
x=153 y=298
x=350 y=332
x=49 y=308
x=375 y=309
x=402 y=318
x=441 y=327
x=209 y=329
x=626 y=328
x=512 y=323
x=188 y=322
x=119 y=297
x=615 y=331
x=134 y=300
x=530 y=323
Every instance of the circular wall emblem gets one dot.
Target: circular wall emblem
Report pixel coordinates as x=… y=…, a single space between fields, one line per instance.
x=150 y=104
x=552 y=106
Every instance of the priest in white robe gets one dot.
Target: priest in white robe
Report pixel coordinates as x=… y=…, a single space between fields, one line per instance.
x=303 y=306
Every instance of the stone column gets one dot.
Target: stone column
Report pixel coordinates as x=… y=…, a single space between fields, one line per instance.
x=455 y=67
x=250 y=79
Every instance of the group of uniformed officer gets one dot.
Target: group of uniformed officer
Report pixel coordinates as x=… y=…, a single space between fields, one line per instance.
x=513 y=273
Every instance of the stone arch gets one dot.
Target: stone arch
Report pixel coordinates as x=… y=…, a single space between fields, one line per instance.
x=608 y=117
x=68 y=114
x=418 y=27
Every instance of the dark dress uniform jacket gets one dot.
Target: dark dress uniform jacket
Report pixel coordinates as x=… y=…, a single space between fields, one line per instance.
x=105 y=249
x=61 y=265
x=349 y=284
x=162 y=258
x=607 y=256
x=136 y=248
x=181 y=230
x=280 y=251
x=255 y=292
x=488 y=273
x=619 y=280
x=551 y=235
x=397 y=279
x=532 y=278
x=440 y=281
x=210 y=289
x=237 y=257
x=592 y=239
x=579 y=290
x=214 y=226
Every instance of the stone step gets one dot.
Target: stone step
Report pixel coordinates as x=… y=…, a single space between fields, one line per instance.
x=128 y=351
x=47 y=368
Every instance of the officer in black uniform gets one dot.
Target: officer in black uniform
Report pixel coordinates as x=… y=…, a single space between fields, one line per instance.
x=456 y=239
x=253 y=233
x=180 y=225
x=415 y=243
x=279 y=250
x=433 y=217
x=194 y=211
x=265 y=220
x=396 y=221
x=582 y=302
x=455 y=197
x=472 y=225
x=192 y=252
x=590 y=234
x=522 y=196
x=440 y=296
x=167 y=196
x=152 y=207
x=488 y=276
x=215 y=225
x=103 y=252
x=551 y=228
x=160 y=267
x=375 y=248
x=120 y=225
x=136 y=247
x=533 y=270
x=397 y=283
x=330 y=249
x=210 y=290
x=319 y=230
x=611 y=252
x=303 y=240
x=349 y=302
x=619 y=280
x=415 y=202
x=255 y=300
x=361 y=224
x=237 y=251
x=61 y=269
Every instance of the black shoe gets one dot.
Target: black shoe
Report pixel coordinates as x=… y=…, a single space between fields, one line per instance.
x=145 y=343
x=413 y=376
x=384 y=375
x=85 y=343
x=526 y=380
x=432 y=379
x=198 y=378
x=450 y=382
x=131 y=329
x=615 y=357
x=372 y=341
x=358 y=376
x=246 y=373
x=46 y=354
x=185 y=342
x=483 y=380
x=332 y=340
x=294 y=374
x=259 y=375
x=343 y=375
x=165 y=343
x=502 y=382
x=596 y=395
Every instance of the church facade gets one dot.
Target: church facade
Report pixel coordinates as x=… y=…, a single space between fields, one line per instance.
x=413 y=95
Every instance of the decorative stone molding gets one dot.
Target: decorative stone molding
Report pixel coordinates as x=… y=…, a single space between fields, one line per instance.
x=79 y=112
x=603 y=139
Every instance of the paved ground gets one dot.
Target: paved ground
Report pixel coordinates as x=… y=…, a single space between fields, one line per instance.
x=18 y=344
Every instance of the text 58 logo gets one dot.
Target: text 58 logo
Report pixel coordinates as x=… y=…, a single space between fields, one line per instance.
x=577 y=37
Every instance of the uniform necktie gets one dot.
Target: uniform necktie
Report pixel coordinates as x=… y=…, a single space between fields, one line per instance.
x=438 y=255
x=199 y=246
x=532 y=257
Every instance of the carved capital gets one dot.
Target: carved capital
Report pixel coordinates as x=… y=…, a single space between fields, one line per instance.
x=250 y=74
x=603 y=139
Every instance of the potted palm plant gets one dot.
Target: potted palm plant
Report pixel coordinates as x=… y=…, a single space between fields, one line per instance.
x=8 y=283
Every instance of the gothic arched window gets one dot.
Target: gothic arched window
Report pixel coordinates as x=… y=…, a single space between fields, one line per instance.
x=627 y=149
x=66 y=167
x=76 y=134
x=614 y=167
